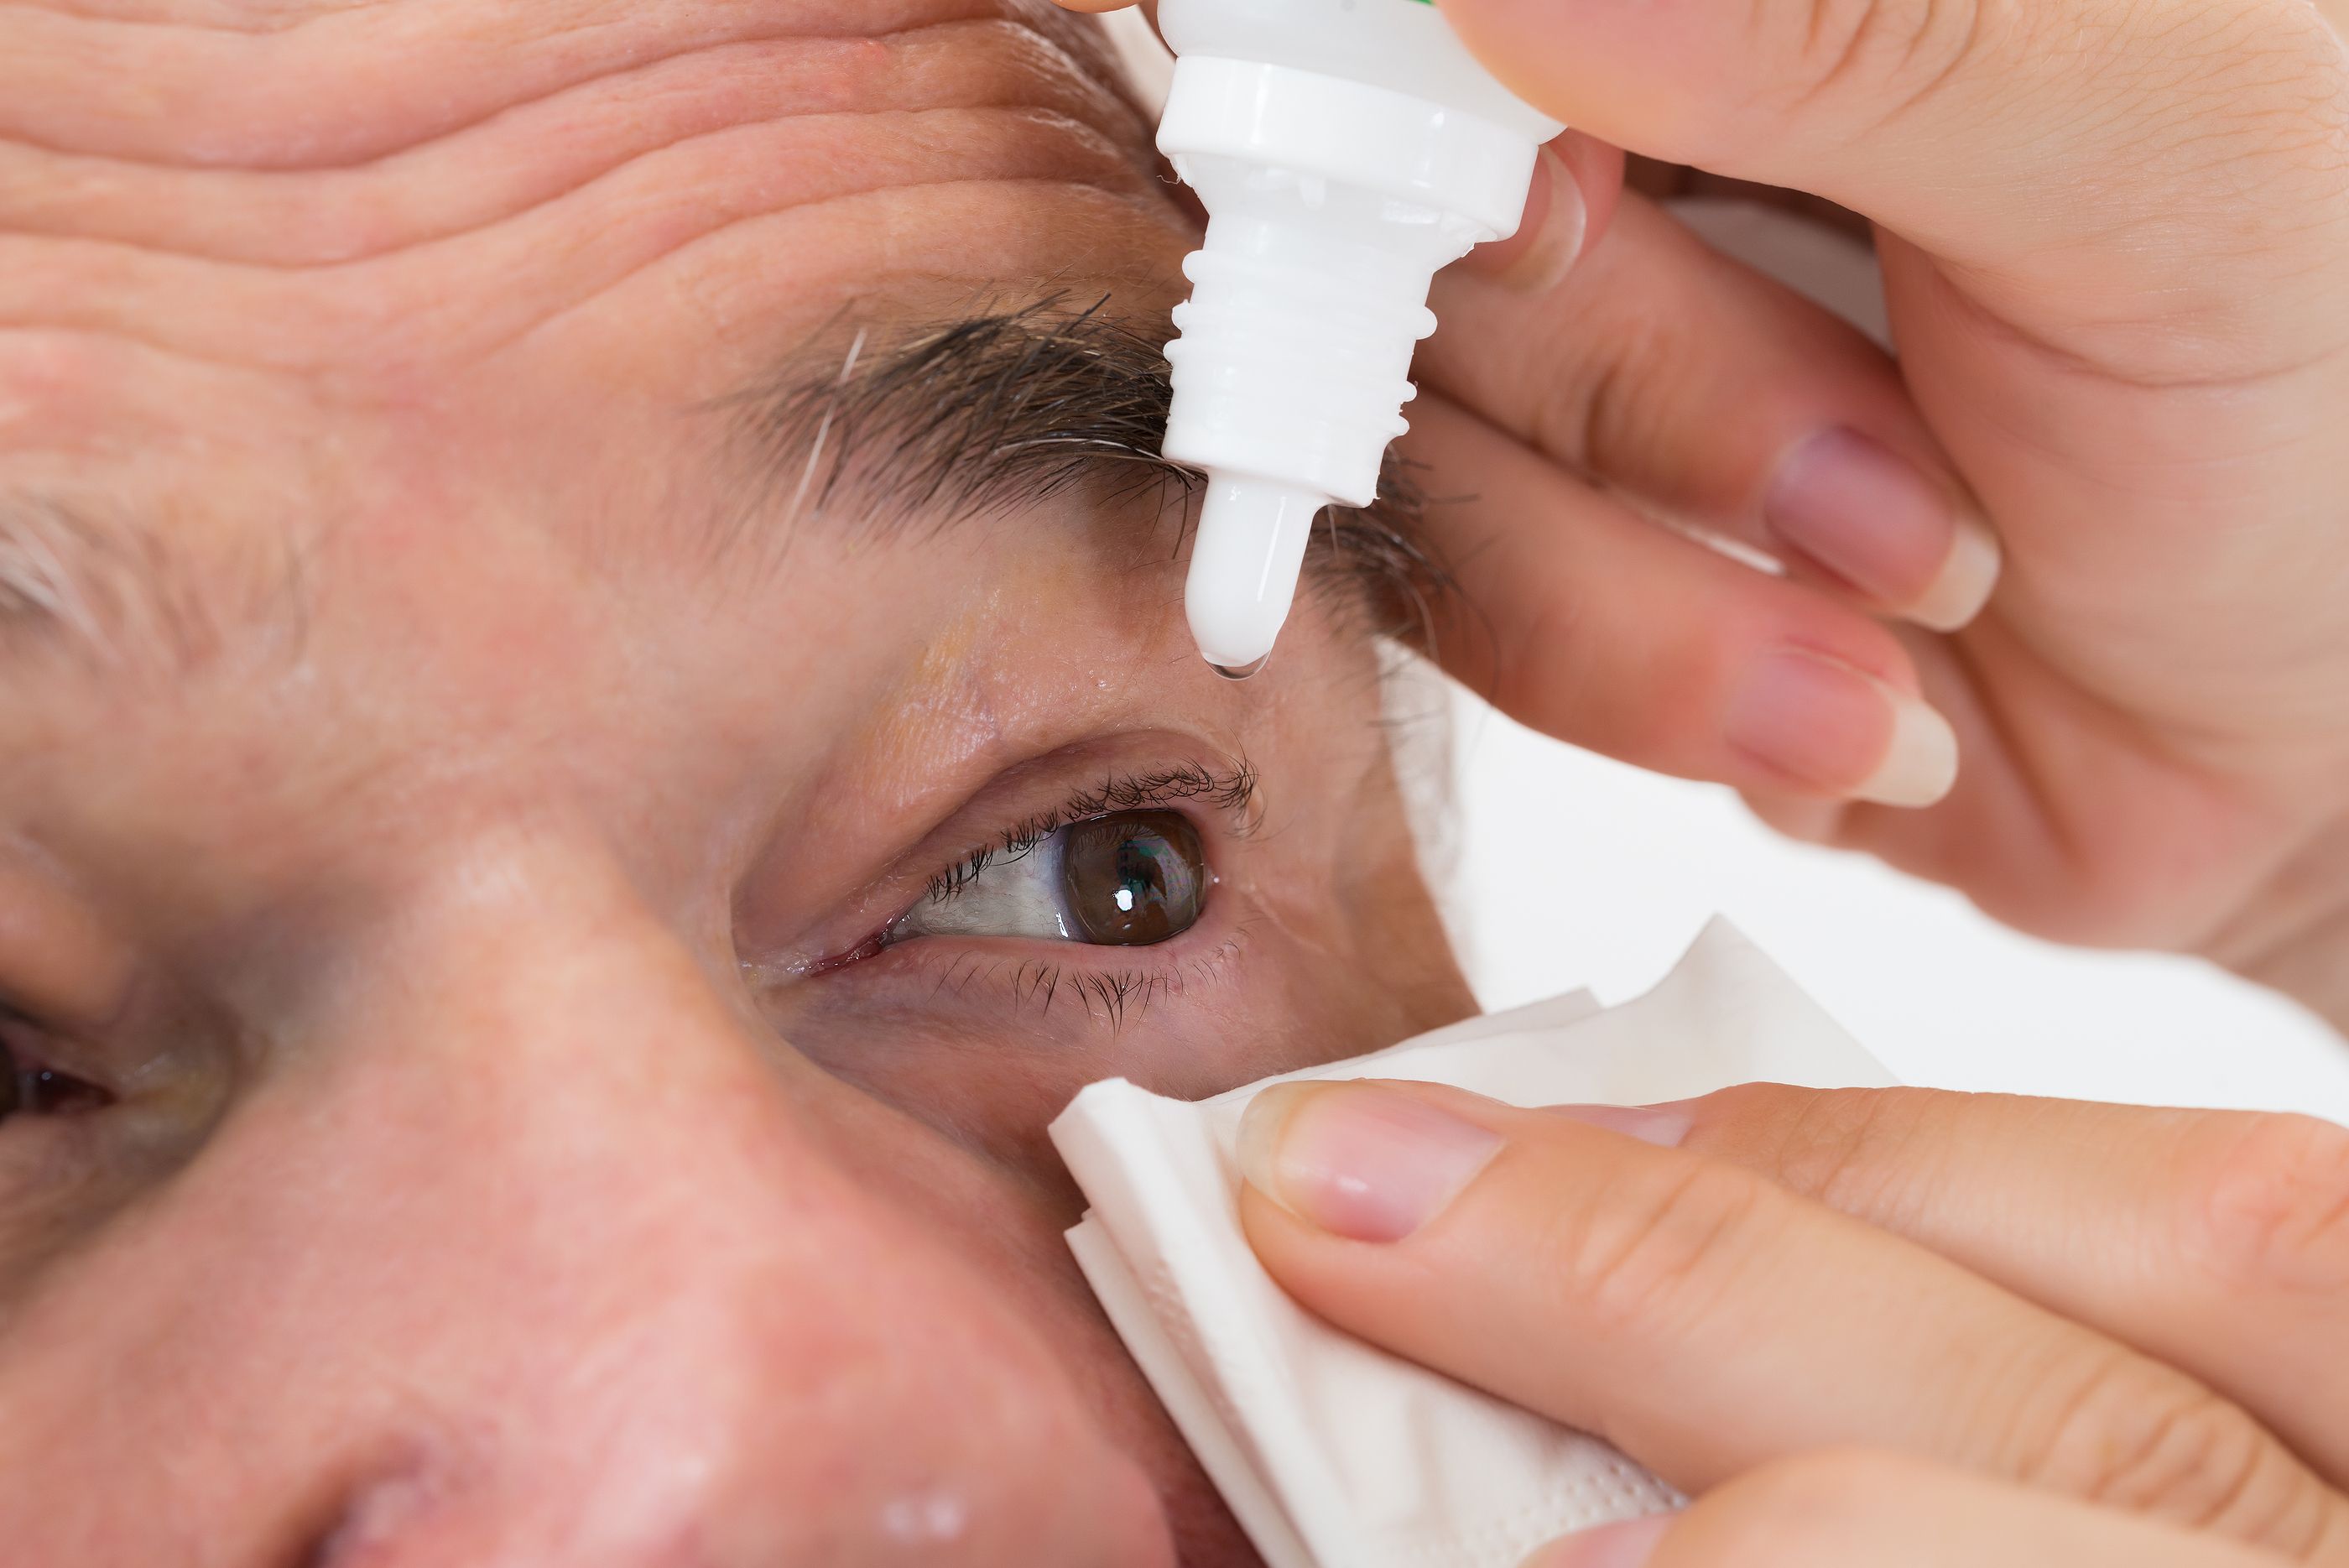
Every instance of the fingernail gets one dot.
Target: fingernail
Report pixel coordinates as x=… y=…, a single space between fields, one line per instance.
x=1626 y=1544
x=1537 y=257
x=1360 y=1160
x=1842 y=731
x=1915 y=543
x=1664 y=1126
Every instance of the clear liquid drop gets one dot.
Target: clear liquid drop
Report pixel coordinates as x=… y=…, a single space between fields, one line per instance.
x=1240 y=672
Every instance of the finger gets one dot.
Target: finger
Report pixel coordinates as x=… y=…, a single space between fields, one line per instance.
x=1597 y=627
x=1866 y=1509
x=2039 y=141
x=1664 y=369
x=1576 y=183
x=1707 y=1321
x=2077 y=818
x=2215 y=1240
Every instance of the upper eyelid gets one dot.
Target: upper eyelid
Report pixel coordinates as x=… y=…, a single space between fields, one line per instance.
x=1205 y=771
x=1233 y=791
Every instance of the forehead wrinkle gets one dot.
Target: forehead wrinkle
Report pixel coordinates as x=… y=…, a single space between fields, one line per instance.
x=468 y=180
x=136 y=81
x=564 y=189
x=411 y=313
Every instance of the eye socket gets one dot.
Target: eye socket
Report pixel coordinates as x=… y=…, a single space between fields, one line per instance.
x=1129 y=878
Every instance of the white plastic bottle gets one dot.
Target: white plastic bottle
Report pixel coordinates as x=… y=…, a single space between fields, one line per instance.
x=1344 y=149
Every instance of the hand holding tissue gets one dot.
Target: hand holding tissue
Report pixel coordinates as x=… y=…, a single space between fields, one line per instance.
x=1330 y=1452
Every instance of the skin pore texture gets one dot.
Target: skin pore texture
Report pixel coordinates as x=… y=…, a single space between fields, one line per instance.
x=451 y=784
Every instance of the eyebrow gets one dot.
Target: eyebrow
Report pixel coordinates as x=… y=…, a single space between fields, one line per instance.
x=120 y=593
x=45 y=549
x=977 y=417
x=70 y=582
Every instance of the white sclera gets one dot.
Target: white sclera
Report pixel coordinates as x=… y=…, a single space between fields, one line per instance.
x=1010 y=895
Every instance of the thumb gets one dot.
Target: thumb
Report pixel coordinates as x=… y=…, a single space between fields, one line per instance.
x=2059 y=138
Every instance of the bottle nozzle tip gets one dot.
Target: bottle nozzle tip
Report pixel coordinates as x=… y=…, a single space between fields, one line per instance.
x=1244 y=556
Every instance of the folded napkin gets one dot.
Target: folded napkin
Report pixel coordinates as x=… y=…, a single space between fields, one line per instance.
x=1331 y=1453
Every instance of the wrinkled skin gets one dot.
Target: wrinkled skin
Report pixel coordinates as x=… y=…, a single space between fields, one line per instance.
x=430 y=870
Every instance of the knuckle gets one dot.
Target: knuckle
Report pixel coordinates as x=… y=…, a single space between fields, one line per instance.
x=1608 y=413
x=1623 y=422
x=1852 y=1149
x=2127 y=1433
x=2266 y=1207
x=1658 y=1251
x=1871 y=61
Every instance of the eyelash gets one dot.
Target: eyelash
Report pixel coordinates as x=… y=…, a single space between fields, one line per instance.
x=1232 y=793
x=1113 y=991
x=1109 y=995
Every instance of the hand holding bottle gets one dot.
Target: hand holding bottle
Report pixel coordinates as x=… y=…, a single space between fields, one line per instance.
x=2116 y=249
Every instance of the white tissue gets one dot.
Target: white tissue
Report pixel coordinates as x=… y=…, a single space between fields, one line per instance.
x=1331 y=1453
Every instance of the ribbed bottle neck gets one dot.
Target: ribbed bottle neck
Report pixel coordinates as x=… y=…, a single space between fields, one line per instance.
x=1308 y=300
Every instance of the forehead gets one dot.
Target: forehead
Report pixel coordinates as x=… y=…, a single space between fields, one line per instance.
x=269 y=271
x=344 y=165
x=401 y=338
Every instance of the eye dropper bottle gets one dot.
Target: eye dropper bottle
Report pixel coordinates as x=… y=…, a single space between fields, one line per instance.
x=1344 y=151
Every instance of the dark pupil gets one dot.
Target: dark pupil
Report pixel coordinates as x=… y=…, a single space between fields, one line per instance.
x=1134 y=878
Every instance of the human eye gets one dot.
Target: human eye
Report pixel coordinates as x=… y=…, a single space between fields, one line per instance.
x=1108 y=896
x=1124 y=878
x=1126 y=863
x=29 y=1087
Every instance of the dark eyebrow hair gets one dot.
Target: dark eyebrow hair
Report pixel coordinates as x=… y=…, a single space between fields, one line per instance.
x=981 y=416
x=993 y=410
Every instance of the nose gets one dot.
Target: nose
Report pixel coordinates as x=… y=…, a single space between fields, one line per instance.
x=525 y=1247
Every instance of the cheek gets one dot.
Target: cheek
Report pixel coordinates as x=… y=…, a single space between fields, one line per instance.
x=1333 y=995
x=1006 y=1220
x=570 y=1322
x=982 y=1080
x=1353 y=962
x=1395 y=933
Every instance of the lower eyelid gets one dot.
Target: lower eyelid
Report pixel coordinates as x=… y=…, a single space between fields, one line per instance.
x=1219 y=797
x=1034 y=977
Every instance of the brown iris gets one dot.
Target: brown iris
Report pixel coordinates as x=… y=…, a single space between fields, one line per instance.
x=1132 y=878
